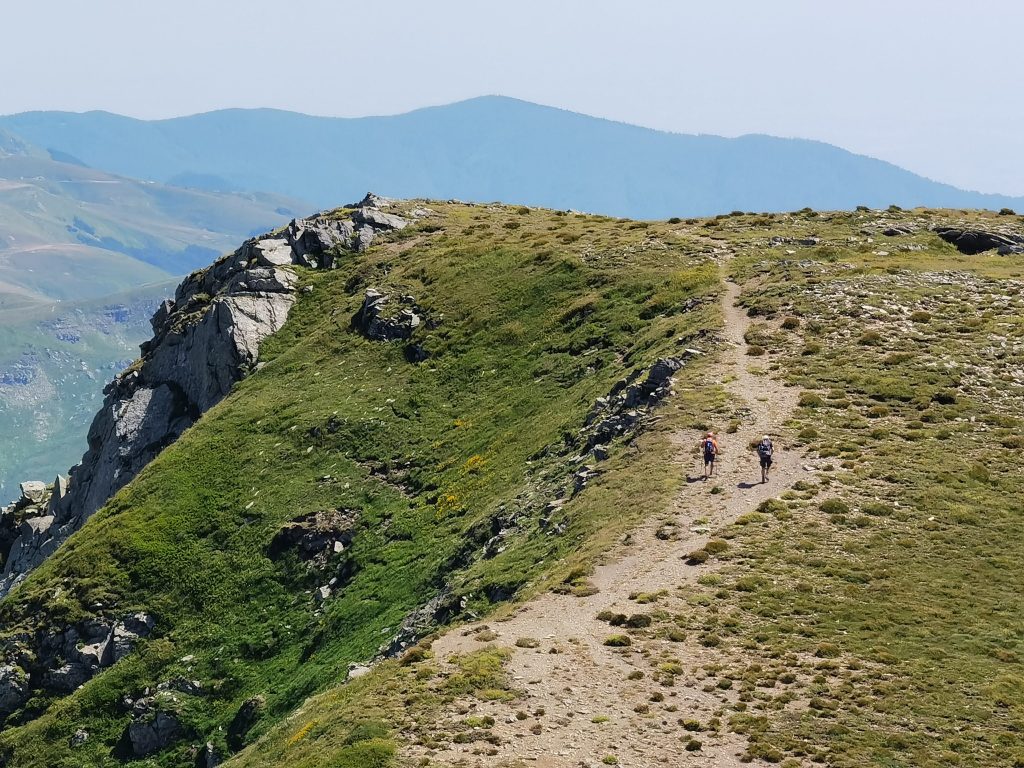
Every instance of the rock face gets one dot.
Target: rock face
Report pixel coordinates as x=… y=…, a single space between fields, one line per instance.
x=205 y=341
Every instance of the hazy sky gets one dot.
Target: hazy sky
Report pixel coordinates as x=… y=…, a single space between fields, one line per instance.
x=934 y=86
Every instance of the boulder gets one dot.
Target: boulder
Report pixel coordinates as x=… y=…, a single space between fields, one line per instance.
x=33 y=491
x=66 y=678
x=272 y=252
x=975 y=241
x=154 y=733
x=375 y=323
x=377 y=219
x=127 y=632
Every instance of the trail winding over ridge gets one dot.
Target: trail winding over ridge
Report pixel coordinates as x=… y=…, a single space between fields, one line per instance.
x=591 y=708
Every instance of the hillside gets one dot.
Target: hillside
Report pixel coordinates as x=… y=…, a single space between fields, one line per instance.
x=486 y=149
x=449 y=513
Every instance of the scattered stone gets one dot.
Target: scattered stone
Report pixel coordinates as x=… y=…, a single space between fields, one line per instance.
x=79 y=737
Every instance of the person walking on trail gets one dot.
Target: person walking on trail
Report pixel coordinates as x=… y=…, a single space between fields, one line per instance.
x=764 y=453
x=709 y=448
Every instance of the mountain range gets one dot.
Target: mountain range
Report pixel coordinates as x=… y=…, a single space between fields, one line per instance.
x=488 y=148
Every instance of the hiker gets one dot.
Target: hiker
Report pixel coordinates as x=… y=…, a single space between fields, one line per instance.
x=764 y=453
x=709 y=447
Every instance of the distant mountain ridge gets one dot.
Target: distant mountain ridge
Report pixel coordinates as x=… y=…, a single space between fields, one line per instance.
x=488 y=148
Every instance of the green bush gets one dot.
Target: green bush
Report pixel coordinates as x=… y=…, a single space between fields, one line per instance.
x=618 y=641
x=834 y=507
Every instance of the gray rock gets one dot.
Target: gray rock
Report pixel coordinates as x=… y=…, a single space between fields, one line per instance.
x=162 y=314
x=377 y=219
x=272 y=252
x=79 y=737
x=974 y=241
x=127 y=633
x=313 y=240
x=600 y=452
x=322 y=594
x=66 y=678
x=377 y=324
x=364 y=238
x=14 y=688
x=153 y=734
x=33 y=491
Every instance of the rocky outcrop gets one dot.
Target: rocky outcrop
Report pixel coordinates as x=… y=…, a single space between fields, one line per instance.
x=57 y=660
x=380 y=320
x=205 y=341
x=621 y=411
x=152 y=730
x=316 y=537
x=975 y=241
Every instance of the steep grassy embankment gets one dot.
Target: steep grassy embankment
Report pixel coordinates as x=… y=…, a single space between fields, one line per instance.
x=537 y=315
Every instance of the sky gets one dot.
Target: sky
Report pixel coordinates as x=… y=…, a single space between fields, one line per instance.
x=931 y=86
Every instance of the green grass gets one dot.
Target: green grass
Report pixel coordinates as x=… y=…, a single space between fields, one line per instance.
x=888 y=595
x=533 y=332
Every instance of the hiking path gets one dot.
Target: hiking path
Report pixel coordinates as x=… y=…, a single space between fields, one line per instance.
x=590 y=708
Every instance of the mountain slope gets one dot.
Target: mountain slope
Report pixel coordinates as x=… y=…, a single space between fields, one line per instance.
x=490 y=148
x=490 y=414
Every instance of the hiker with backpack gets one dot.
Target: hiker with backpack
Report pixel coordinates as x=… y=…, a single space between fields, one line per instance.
x=764 y=453
x=709 y=448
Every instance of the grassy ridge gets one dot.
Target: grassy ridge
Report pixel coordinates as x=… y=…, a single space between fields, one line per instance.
x=871 y=616
x=542 y=313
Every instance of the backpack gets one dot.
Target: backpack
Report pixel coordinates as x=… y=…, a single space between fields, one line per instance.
x=764 y=449
x=710 y=449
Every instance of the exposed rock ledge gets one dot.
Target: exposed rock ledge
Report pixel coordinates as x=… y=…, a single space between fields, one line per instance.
x=205 y=340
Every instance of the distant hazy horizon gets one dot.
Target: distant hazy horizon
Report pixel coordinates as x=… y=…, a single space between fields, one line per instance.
x=919 y=84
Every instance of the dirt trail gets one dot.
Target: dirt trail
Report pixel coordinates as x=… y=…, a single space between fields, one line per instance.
x=590 y=709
